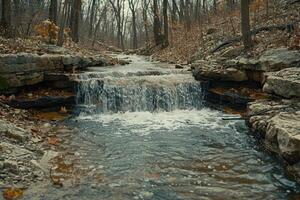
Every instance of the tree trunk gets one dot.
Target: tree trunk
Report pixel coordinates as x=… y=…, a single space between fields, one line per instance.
x=134 y=31
x=6 y=18
x=92 y=18
x=166 y=23
x=188 y=15
x=181 y=11
x=117 y=8
x=145 y=20
x=17 y=16
x=215 y=6
x=245 y=24
x=65 y=12
x=156 y=24
x=53 y=11
x=134 y=25
x=76 y=18
x=175 y=10
x=204 y=6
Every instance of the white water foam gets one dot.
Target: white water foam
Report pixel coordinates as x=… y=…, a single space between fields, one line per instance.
x=145 y=123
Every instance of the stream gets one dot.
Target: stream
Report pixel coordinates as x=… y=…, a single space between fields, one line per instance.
x=146 y=131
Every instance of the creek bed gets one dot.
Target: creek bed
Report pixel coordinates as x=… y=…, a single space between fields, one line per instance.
x=146 y=132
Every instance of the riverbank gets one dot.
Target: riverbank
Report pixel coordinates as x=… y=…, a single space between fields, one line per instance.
x=30 y=140
x=268 y=87
x=144 y=130
x=60 y=159
x=41 y=79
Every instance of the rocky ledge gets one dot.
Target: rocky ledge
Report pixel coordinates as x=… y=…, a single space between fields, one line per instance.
x=277 y=124
x=246 y=69
x=285 y=83
x=275 y=118
x=18 y=70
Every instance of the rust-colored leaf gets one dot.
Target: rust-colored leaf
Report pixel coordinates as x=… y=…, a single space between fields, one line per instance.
x=53 y=141
x=12 y=193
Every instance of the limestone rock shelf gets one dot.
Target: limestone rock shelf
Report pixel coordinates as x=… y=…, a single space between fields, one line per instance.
x=18 y=70
x=273 y=115
x=285 y=83
x=278 y=124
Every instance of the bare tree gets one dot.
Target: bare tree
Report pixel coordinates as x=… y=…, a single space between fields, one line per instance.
x=245 y=24
x=6 y=18
x=53 y=11
x=117 y=6
x=60 y=40
x=76 y=12
x=187 y=15
x=145 y=7
x=166 y=23
x=92 y=16
x=156 y=24
x=132 y=7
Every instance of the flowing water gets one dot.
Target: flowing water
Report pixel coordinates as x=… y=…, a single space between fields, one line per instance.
x=145 y=128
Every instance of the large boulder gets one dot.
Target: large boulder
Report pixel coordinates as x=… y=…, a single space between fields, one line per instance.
x=285 y=83
x=277 y=59
x=285 y=129
x=277 y=122
x=212 y=71
x=270 y=61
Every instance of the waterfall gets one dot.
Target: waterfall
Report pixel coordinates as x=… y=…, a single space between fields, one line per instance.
x=151 y=91
x=139 y=86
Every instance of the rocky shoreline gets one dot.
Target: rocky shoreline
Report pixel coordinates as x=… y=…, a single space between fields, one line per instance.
x=268 y=87
x=28 y=145
x=272 y=103
x=32 y=148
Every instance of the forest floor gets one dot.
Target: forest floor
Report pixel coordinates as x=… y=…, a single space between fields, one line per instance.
x=199 y=42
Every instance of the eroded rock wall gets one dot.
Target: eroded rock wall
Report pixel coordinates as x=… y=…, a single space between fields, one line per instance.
x=17 y=70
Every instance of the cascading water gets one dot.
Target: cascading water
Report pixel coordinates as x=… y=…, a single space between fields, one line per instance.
x=138 y=93
x=144 y=133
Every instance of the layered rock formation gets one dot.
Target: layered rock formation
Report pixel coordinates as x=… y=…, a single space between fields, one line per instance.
x=246 y=69
x=285 y=83
x=29 y=69
x=278 y=124
x=276 y=119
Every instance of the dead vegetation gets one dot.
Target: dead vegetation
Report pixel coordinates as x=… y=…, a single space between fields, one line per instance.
x=225 y=26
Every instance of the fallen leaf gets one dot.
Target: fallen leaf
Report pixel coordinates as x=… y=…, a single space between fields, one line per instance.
x=53 y=141
x=12 y=193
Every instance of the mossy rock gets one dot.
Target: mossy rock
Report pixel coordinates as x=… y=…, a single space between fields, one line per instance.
x=3 y=83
